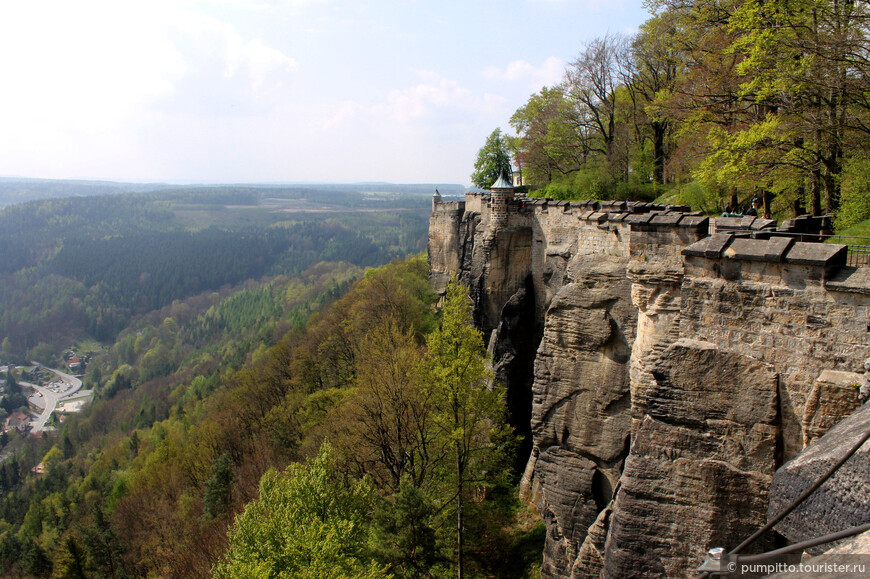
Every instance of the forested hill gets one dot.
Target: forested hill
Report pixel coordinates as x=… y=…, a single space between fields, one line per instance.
x=14 y=190
x=242 y=330
x=203 y=404
x=84 y=267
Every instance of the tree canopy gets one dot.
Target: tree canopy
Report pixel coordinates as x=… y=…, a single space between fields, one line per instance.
x=493 y=159
x=306 y=523
x=712 y=103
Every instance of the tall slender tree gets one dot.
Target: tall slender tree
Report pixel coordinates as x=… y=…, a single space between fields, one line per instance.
x=591 y=83
x=651 y=69
x=469 y=415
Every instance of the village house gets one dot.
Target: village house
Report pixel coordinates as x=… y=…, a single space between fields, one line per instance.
x=17 y=420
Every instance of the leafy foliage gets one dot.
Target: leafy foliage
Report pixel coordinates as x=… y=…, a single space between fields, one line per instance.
x=252 y=379
x=493 y=159
x=306 y=523
x=744 y=99
x=856 y=194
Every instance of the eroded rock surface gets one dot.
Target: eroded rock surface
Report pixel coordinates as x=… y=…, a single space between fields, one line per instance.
x=581 y=408
x=708 y=436
x=676 y=367
x=842 y=502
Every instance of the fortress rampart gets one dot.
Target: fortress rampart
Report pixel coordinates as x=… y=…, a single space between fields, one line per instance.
x=660 y=374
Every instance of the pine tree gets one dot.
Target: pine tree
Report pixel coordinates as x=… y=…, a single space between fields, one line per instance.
x=219 y=488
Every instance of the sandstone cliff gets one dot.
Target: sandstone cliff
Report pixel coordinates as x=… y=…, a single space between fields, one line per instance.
x=661 y=375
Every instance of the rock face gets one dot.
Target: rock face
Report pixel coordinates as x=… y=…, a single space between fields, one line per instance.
x=661 y=374
x=708 y=435
x=842 y=502
x=580 y=414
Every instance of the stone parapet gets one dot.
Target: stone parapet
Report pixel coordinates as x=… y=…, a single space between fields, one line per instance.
x=850 y=279
x=831 y=257
x=745 y=223
x=663 y=373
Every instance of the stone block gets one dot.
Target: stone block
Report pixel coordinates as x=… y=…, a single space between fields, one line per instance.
x=761 y=223
x=746 y=249
x=709 y=247
x=828 y=255
x=777 y=246
x=619 y=217
x=639 y=218
x=729 y=223
x=667 y=219
x=850 y=279
x=613 y=206
x=696 y=221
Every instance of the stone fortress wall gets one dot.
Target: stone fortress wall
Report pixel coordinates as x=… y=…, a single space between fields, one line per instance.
x=662 y=374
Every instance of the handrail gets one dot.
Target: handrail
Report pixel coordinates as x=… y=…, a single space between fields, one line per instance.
x=796 y=503
x=791 y=507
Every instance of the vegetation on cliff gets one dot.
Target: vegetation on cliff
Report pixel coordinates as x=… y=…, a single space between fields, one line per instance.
x=715 y=103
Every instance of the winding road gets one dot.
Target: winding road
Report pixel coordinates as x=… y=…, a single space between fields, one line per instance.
x=51 y=397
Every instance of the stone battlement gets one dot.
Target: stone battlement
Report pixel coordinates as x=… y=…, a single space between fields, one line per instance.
x=644 y=354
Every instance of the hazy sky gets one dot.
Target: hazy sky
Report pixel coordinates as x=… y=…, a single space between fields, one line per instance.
x=277 y=90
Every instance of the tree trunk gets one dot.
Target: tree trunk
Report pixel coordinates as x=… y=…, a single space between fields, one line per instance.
x=831 y=181
x=816 y=193
x=832 y=194
x=659 y=152
x=460 y=523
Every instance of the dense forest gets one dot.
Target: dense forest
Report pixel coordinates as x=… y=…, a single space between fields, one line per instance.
x=711 y=104
x=266 y=403
x=305 y=427
x=84 y=267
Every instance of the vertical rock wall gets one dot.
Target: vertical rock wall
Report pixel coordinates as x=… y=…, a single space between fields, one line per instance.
x=580 y=413
x=706 y=440
x=664 y=374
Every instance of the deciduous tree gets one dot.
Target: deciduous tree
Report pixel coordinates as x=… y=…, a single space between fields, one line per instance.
x=386 y=428
x=307 y=523
x=469 y=415
x=492 y=160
